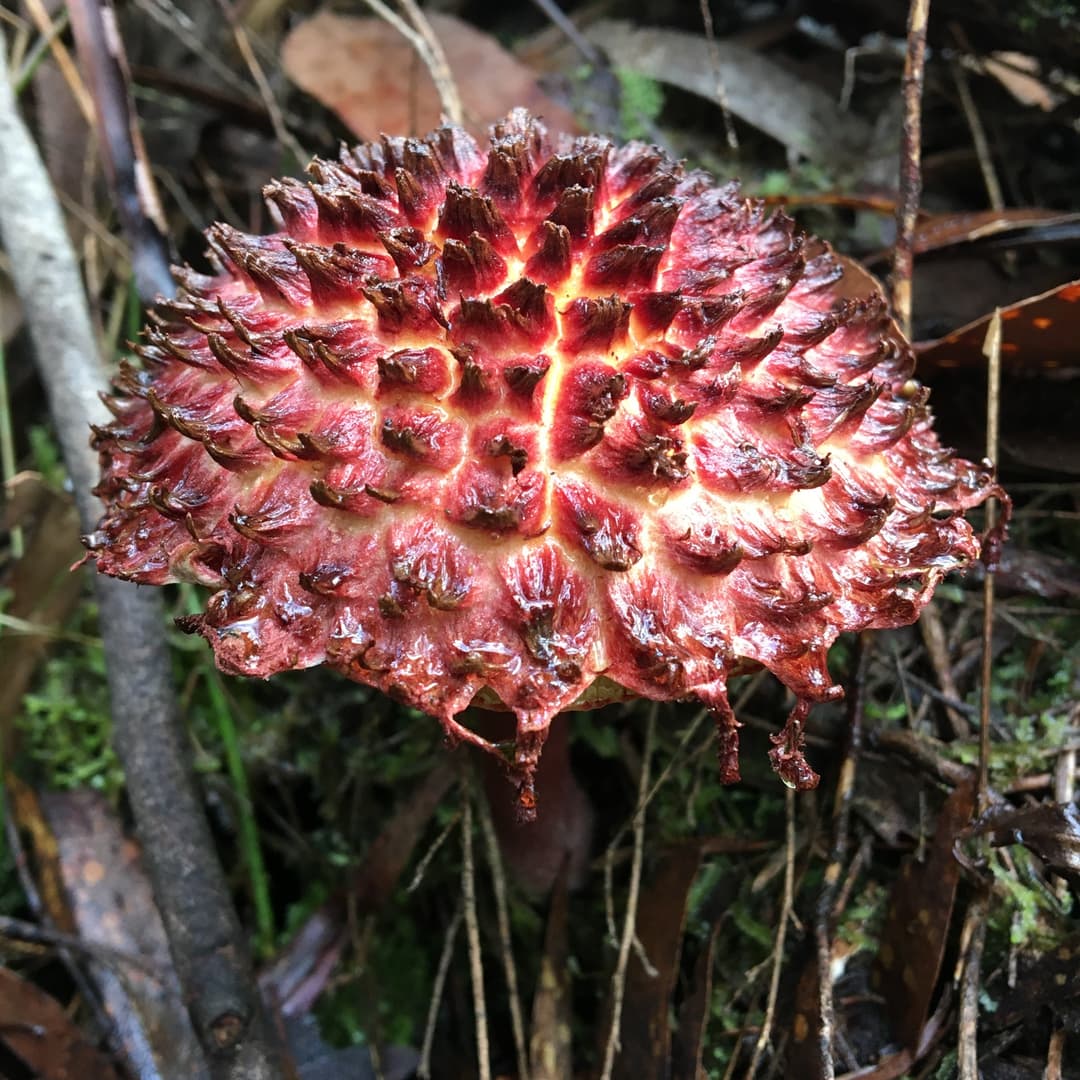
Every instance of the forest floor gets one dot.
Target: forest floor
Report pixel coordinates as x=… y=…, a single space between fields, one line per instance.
x=343 y=822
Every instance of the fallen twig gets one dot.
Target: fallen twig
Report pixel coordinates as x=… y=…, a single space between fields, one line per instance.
x=992 y=351
x=786 y=907
x=618 y=979
x=205 y=937
x=502 y=910
x=972 y=939
x=417 y=31
x=424 y=1068
x=910 y=163
x=472 y=931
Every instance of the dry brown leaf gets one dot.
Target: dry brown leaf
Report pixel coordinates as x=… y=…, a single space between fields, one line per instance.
x=1019 y=73
x=39 y=1034
x=368 y=74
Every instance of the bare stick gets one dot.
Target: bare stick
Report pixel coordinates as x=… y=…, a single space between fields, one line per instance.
x=498 y=879
x=1055 y=1056
x=972 y=938
x=781 y=935
x=563 y=22
x=101 y=52
x=434 y=59
x=721 y=90
x=205 y=937
x=20 y=930
x=243 y=43
x=978 y=135
x=472 y=931
x=907 y=208
x=827 y=899
x=675 y=762
x=424 y=1068
x=992 y=352
x=618 y=980
x=440 y=70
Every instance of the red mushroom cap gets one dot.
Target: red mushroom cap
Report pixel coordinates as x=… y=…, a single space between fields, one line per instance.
x=548 y=423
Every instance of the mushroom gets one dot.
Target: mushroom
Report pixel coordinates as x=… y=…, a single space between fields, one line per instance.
x=536 y=426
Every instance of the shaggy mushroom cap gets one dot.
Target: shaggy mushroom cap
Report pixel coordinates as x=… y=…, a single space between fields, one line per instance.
x=546 y=423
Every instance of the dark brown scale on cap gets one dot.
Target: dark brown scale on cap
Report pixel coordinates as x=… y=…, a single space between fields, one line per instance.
x=337 y=274
x=624 y=266
x=524 y=378
x=552 y=261
x=471 y=266
x=501 y=446
x=421 y=371
x=595 y=324
x=654 y=312
x=351 y=216
x=408 y=305
x=475 y=383
x=466 y=211
x=609 y=533
x=707 y=548
x=650 y=224
x=294 y=203
x=583 y=168
x=667 y=410
x=409 y=248
x=574 y=210
x=271 y=269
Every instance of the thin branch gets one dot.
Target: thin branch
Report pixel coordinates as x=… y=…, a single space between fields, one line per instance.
x=419 y=34
x=907 y=208
x=424 y=1068
x=205 y=937
x=472 y=929
x=20 y=930
x=425 y=861
x=277 y=120
x=992 y=352
x=721 y=89
x=498 y=879
x=972 y=939
x=618 y=979
x=561 y=21
x=826 y=909
x=781 y=935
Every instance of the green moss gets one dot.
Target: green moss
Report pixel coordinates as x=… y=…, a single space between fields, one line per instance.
x=640 y=103
x=65 y=726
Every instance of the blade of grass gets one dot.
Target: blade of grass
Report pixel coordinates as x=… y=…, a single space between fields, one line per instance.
x=38 y=52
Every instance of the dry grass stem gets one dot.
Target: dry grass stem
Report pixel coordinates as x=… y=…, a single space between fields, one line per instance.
x=417 y=31
x=424 y=1067
x=992 y=352
x=502 y=909
x=425 y=861
x=618 y=979
x=972 y=939
x=786 y=908
x=907 y=207
x=472 y=930
x=64 y=61
x=266 y=92
x=721 y=89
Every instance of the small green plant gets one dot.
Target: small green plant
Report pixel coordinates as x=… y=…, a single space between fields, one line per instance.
x=65 y=724
x=640 y=103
